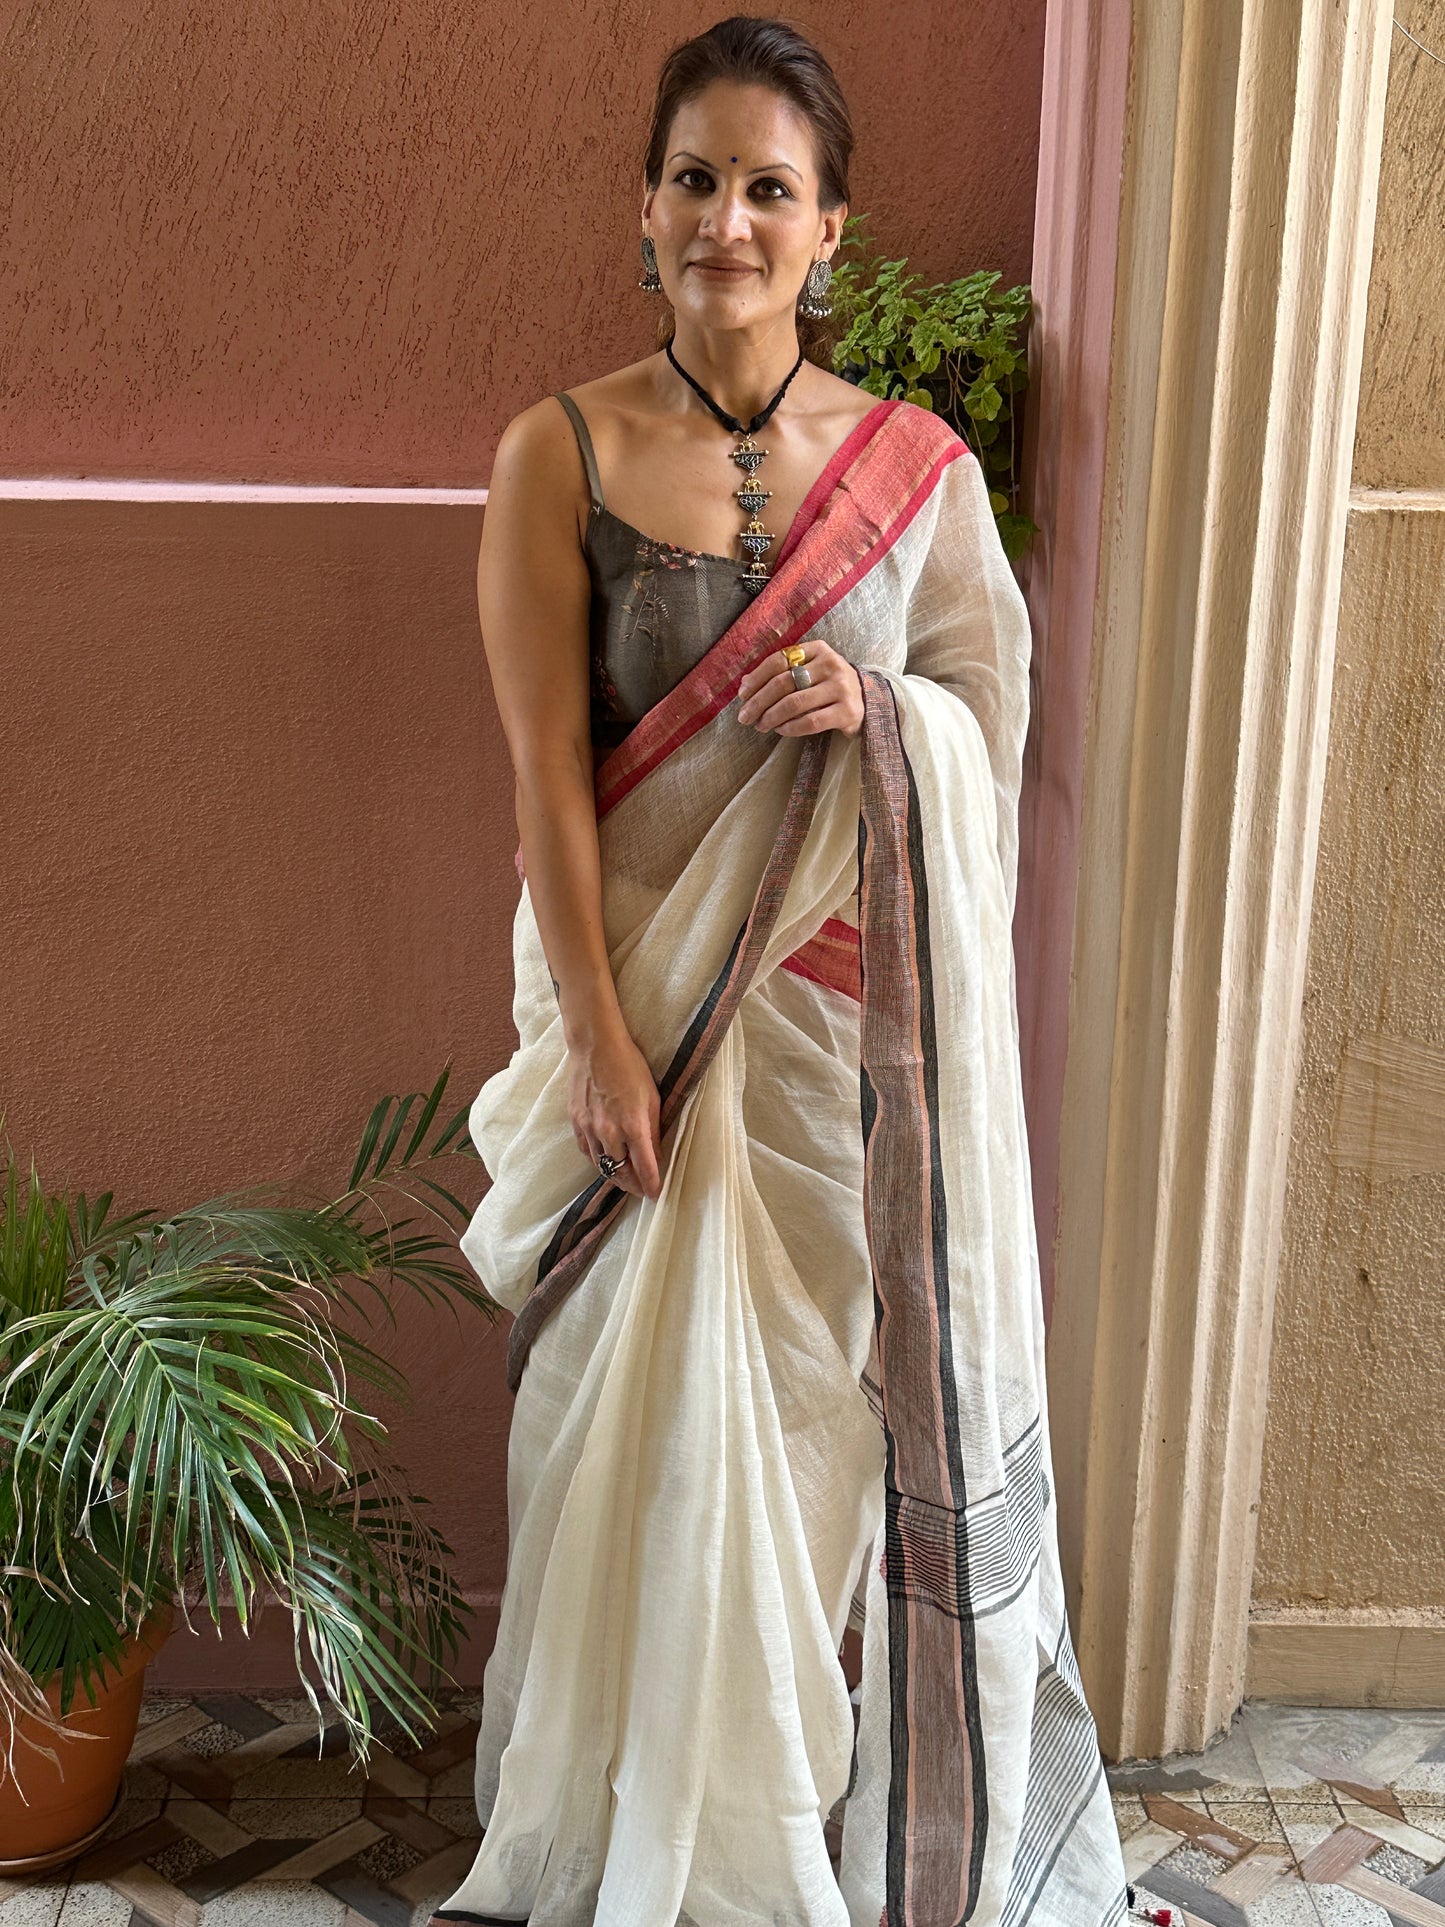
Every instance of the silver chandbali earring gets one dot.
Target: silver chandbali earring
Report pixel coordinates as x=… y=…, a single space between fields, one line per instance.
x=651 y=280
x=813 y=303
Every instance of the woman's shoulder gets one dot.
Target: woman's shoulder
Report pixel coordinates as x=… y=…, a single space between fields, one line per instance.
x=542 y=438
x=916 y=457
x=538 y=467
x=539 y=428
x=930 y=430
x=629 y=388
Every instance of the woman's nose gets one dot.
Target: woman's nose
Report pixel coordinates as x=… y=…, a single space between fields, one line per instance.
x=728 y=218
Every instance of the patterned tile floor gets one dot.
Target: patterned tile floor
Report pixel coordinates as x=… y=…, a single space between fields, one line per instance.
x=1295 y=1818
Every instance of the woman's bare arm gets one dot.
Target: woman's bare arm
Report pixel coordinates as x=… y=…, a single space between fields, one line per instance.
x=533 y=591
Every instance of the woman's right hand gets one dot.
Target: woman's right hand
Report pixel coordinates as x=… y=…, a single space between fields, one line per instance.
x=614 y=1106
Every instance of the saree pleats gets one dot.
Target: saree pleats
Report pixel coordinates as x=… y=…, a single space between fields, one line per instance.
x=808 y=1377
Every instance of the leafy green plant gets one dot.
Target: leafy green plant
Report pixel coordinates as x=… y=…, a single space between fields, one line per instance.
x=178 y=1420
x=953 y=347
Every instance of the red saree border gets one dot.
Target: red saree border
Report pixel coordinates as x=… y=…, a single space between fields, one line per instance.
x=857 y=438
x=830 y=957
x=883 y=486
x=617 y=772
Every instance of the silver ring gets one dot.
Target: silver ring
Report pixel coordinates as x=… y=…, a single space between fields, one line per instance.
x=607 y=1164
x=801 y=678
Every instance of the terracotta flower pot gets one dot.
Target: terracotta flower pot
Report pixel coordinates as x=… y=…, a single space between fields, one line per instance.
x=70 y=1805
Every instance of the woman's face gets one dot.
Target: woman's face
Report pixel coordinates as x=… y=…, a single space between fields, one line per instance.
x=739 y=186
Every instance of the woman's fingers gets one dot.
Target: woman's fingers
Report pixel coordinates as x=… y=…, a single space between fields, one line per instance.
x=781 y=698
x=639 y=1174
x=800 y=712
x=638 y=1143
x=768 y=698
x=812 y=722
x=614 y=1108
x=643 y=1141
x=643 y=1168
x=774 y=672
x=836 y=703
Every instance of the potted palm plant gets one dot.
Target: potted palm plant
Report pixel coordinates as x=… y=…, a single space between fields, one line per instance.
x=180 y=1425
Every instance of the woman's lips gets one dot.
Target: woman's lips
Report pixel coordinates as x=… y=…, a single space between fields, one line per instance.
x=712 y=267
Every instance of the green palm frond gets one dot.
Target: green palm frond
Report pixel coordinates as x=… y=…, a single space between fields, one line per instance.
x=179 y=1411
x=181 y=1384
x=364 y=1631
x=34 y=1249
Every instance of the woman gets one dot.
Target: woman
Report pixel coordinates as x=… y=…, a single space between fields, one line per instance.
x=760 y=1196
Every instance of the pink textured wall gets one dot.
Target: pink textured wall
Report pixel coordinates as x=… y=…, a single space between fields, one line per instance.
x=1076 y=235
x=259 y=861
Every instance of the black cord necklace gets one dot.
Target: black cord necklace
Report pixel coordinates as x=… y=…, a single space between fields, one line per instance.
x=752 y=497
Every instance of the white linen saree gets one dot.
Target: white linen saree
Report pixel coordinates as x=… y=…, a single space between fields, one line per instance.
x=806 y=1381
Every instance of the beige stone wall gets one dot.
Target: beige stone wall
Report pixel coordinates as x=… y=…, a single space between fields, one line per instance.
x=1349 y=1583
x=1400 y=438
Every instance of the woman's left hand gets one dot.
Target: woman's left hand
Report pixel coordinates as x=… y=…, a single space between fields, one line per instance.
x=834 y=700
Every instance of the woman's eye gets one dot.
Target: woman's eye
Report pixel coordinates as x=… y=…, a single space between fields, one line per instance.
x=689 y=174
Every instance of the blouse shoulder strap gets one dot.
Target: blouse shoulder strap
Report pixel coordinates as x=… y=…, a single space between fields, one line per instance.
x=584 y=442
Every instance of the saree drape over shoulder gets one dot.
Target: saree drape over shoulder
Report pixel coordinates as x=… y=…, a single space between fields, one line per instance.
x=807 y=1381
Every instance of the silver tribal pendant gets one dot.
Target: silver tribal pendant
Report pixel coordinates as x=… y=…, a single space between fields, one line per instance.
x=752 y=497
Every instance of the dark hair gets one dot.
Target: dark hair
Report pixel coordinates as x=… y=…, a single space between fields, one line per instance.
x=768 y=53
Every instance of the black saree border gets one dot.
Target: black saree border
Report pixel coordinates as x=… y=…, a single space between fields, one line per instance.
x=938 y=1782
x=574 y=1243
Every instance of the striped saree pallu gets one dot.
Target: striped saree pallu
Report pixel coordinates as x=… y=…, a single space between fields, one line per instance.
x=806 y=1384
